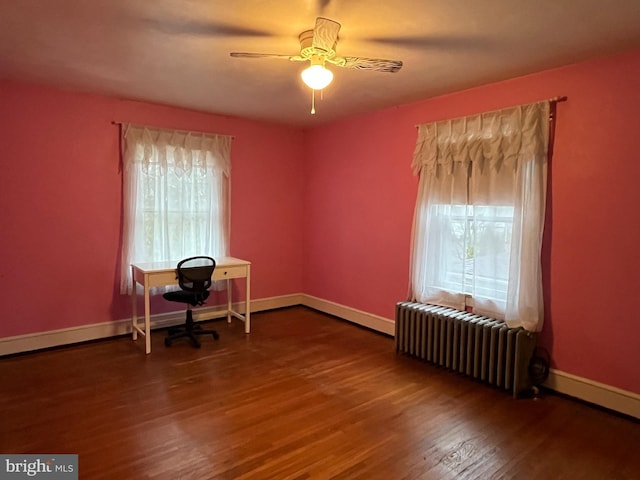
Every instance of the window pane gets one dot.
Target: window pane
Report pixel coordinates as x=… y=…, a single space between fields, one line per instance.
x=474 y=249
x=492 y=230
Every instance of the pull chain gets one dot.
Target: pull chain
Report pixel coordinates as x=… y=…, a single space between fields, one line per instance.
x=313 y=100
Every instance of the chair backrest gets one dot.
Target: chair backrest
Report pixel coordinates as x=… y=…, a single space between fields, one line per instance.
x=195 y=274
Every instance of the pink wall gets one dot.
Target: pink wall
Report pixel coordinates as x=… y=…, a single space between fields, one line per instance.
x=361 y=194
x=60 y=204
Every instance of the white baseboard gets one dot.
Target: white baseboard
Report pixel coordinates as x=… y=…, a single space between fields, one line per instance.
x=369 y=320
x=96 y=331
x=590 y=391
x=594 y=392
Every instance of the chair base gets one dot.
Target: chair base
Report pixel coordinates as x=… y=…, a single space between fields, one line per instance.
x=189 y=330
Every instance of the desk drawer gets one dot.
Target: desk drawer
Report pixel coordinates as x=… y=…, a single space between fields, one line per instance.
x=160 y=279
x=235 y=271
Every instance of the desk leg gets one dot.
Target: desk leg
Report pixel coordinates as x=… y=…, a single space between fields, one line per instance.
x=134 y=308
x=229 y=302
x=147 y=318
x=247 y=313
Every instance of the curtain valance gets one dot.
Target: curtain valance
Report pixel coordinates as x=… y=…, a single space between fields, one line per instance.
x=495 y=138
x=156 y=148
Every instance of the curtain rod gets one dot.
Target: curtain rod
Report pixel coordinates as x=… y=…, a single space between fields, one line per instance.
x=117 y=122
x=562 y=98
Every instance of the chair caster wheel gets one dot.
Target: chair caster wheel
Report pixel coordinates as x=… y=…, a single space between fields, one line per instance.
x=215 y=335
x=167 y=342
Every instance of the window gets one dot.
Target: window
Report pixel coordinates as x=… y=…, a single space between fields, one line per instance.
x=480 y=212
x=476 y=249
x=175 y=196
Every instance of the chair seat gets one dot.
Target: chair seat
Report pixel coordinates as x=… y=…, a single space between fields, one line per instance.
x=186 y=297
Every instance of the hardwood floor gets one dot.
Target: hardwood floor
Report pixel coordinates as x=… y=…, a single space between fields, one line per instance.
x=304 y=396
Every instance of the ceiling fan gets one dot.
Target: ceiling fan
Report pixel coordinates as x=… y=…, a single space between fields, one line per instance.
x=318 y=47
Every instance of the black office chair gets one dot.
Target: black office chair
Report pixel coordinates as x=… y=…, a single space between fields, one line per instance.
x=194 y=277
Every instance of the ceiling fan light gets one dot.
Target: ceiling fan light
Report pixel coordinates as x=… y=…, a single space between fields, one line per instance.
x=317 y=77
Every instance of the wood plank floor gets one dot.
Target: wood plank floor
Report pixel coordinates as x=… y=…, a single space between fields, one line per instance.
x=304 y=396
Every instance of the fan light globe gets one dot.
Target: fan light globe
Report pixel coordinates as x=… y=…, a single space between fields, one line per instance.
x=317 y=77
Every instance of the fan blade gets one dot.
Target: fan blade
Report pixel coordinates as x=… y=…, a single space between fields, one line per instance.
x=325 y=34
x=466 y=42
x=200 y=27
x=360 y=63
x=293 y=58
x=321 y=5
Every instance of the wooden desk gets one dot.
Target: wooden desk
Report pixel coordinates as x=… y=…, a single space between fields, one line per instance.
x=158 y=274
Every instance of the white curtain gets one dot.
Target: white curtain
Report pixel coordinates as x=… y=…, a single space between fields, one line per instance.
x=175 y=196
x=479 y=214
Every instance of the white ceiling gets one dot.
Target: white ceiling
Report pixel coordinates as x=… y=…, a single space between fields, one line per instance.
x=176 y=52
